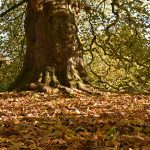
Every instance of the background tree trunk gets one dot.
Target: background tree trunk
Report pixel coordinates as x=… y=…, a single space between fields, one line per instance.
x=53 y=54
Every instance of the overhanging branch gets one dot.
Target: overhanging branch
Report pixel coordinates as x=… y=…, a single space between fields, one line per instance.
x=12 y=8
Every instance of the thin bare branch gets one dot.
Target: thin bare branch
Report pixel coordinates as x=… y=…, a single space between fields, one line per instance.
x=12 y=8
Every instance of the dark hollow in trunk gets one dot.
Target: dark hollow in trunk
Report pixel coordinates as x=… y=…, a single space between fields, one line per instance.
x=53 y=56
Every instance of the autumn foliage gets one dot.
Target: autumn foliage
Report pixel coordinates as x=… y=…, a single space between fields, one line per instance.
x=40 y=121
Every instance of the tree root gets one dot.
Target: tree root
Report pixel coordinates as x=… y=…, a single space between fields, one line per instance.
x=88 y=89
x=38 y=87
x=66 y=91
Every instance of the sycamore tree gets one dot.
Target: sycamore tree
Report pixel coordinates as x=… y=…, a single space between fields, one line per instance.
x=60 y=35
x=53 y=55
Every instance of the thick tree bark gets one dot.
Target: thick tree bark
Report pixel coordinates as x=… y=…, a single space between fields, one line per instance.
x=53 y=55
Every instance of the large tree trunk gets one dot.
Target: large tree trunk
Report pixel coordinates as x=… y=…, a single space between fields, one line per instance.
x=53 y=55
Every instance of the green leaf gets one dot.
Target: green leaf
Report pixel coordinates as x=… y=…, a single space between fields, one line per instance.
x=111 y=131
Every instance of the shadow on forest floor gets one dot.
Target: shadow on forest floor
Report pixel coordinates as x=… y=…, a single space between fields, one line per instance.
x=41 y=121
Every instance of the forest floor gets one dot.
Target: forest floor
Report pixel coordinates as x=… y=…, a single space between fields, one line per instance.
x=51 y=121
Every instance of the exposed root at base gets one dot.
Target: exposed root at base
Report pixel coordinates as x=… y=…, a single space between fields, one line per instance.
x=66 y=91
x=39 y=87
x=88 y=89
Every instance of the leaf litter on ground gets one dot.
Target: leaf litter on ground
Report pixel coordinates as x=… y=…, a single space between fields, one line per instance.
x=50 y=121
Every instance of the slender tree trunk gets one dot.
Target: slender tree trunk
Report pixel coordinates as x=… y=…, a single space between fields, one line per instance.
x=53 y=55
